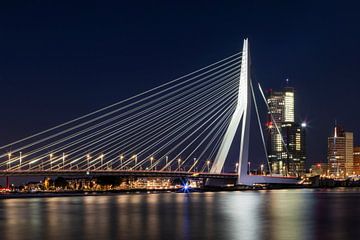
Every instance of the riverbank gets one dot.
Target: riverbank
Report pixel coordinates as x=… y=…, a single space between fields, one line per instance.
x=43 y=194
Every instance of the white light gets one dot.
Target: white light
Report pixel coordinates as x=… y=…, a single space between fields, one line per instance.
x=303 y=124
x=289 y=106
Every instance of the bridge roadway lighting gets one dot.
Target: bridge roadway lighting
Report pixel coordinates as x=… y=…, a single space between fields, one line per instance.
x=179 y=161
x=101 y=160
x=208 y=165
x=20 y=159
x=88 y=161
x=8 y=163
x=236 y=167
x=151 y=162
x=135 y=159
x=121 y=161
x=63 y=160
x=51 y=160
x=249 y=170
x=262 y=169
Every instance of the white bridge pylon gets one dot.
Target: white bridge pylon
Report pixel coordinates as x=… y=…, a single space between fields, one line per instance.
x=241 y=116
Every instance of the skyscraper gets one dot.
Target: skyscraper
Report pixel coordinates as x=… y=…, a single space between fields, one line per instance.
x=286 y=138
x=340 y=152
x=294 y=154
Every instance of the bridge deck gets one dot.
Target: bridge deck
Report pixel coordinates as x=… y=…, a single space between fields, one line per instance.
x=120 y=173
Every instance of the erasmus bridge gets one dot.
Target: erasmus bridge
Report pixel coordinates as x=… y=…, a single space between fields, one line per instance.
x=183 y=128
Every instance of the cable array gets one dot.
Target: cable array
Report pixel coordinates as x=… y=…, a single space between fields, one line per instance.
x=176 y=126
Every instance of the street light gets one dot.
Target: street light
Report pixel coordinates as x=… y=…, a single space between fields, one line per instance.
x=249 y=170
x=20 y=159
x=8 y=164
x=51 y=162
x=208 y=165
x=179 y=161
x=236 y=167
x=262 y=169
x=101 y=160
x=135 y=159
x=121 y=161
x=88 y=161
x=151 y=162
x=63 y=159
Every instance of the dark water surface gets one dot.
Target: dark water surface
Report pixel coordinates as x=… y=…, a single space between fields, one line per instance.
x=275 y=214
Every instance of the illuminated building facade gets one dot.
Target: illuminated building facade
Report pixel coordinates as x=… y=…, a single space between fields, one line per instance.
x=286 y=138
x=319 y=169
x=356 y=167
x=294 y=154
x=289 y=102
x=341 y=152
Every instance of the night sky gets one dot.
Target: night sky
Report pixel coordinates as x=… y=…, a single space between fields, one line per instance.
x=61 y=60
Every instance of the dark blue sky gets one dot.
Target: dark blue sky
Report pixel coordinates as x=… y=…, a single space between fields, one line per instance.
x=61 y=60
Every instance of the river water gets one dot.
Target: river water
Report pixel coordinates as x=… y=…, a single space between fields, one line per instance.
x=273 y=214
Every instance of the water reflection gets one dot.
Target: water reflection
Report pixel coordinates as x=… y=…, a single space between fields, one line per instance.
x=276 y=214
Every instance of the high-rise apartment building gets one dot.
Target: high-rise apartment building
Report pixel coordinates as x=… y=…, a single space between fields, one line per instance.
x=286 y=138
x=340 y=152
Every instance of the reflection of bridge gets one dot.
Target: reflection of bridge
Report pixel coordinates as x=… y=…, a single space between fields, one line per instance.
x=183 y=128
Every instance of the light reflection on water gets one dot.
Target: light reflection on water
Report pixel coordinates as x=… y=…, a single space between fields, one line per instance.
x=276 y=214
